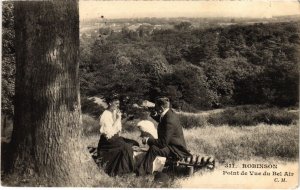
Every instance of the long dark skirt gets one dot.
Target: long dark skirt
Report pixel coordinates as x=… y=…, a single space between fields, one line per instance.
x=116 y=154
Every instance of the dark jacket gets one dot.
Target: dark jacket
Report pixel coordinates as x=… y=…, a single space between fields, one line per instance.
x=170 y=135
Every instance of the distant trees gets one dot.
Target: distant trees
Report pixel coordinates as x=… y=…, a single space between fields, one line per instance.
x=192 y=85
x=145 y=30
x=183 y=26
x=203 y=68
x=241 y=64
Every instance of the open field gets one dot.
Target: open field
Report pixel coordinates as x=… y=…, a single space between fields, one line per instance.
x=275 y=144
x=261 y=143
x=227 y=143
x=257 y=143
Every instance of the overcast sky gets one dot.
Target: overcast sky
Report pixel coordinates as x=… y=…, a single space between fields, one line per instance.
x=134 y=9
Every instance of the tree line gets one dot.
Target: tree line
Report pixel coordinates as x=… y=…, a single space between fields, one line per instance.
x=197 y=68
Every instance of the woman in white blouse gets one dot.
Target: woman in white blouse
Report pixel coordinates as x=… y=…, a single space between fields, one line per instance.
x=116 y=154
x=110 y=120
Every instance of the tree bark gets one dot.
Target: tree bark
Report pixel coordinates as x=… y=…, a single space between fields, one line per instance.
x=47 y=133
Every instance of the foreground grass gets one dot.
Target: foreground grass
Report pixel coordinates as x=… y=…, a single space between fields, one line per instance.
x=263 y=143
x=227 y=143
x=266 y=143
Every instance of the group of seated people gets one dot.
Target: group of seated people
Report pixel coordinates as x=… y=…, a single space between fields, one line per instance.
x=117 y=153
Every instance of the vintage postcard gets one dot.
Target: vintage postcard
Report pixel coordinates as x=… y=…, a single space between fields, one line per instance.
x=150 y=94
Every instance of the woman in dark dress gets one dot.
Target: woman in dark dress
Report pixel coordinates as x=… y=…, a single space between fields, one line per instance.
x=115 y=152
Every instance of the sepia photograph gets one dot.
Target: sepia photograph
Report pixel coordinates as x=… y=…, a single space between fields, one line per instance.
x=150 y=94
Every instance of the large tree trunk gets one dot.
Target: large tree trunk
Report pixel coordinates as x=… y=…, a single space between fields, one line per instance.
x=46 y=135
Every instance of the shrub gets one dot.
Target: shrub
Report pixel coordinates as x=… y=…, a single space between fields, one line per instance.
x=90 y=125
x=275 y=116
x=191 y=121
x=130 y=126
x=252 y=115
x=136 y=113
x=90 y=107
x=187 y=107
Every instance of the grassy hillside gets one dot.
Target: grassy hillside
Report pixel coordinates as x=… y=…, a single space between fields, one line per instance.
x=262 y=143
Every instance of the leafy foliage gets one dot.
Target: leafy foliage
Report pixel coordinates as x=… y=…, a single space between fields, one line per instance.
x=8 y=59
x=90 y=107
x=252 y=115
x=197 y=68
x=192 y=121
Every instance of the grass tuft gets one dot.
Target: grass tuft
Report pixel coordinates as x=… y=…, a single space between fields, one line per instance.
x=236 y=143
x=252 y=115
x=90 y=125
x=257 y=137
x=191 y=120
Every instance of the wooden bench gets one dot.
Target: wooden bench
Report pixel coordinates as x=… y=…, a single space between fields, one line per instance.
x=192 y=163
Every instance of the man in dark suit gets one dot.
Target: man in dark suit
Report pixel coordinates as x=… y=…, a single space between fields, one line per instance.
x=170 y=142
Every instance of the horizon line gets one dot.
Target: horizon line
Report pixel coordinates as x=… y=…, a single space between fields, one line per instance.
x=191 y=17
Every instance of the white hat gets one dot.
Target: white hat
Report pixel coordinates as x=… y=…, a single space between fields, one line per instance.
x=148 y=126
